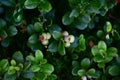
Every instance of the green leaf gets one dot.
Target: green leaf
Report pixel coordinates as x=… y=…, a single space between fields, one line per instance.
x=74 y=13
x=31 y=4
x=95 y=50
x=47 y=68
x=35 y=68
x=38 y=26
x=102 y=45
x=56 y=35
x=81 y=72
x=108 y=26
x=6 y=42
x=4 y=64
x=100 y=34
x=3 y=33
x=99 y=58
x=114 y=70
x=9 y=77
x=33 y=39
x=30 y=58
x=12 y=31
x=41 y=76
x=18 y=56
x=11 y=70
x=9 y=3
x=67 y=20
x=86 y=18
x=38 y=55
x=28 y=74
x=81 y=26
x=61 y=48
x=54 y=27
x=81 y=43
x=112 y=52
x=45 y=6
x=75 y=70
x=91 y=72
x=85 y=63
x=53 y=46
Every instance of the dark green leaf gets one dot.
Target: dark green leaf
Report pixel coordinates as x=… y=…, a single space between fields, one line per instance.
x=53 y=46
x=114 y=70
x=81 y=72
x=56 y=35
x=61 y=48
x=28 y=74
x=67 y=20
x=18 y=56
x=45 y=6
x=12 y=31
x=38 y=26
x=47 y=68
x=85 y=63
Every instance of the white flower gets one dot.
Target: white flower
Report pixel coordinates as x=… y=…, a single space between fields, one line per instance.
x=65 y=33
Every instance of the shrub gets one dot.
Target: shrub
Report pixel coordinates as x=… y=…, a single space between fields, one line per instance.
x=51 y=40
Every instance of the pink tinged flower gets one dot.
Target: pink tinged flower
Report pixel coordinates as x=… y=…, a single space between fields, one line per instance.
x=42 y=38
x=69 y=38
x=48 y=35
x=45 y=42
x=84 y=78
x=65 y=33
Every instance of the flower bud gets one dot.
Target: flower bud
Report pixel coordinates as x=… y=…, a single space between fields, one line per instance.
x=69 y=38
x=42 y=38
x=91 y=44
x=67 y=44
x=65 y=33
x=45 y=42
x=84 y=78
x=48 y=35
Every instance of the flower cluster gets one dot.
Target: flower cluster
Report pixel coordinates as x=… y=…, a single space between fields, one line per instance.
x=68 y=38
x=44 y=38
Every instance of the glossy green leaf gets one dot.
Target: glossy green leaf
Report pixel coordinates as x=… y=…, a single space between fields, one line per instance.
x=53 y=46
x=56 y=35
x=20 y=58
x=47 y=68
x=12 y=31
x=45 y=6
x=33 y=39
x=85 y=63
x=10 y=3
x=81 y=72
x=3 y=33
x=114 y=70
x=38 y=55
x=91 y=72
x=35 y=68
x=61 y=48
x=102 y=45
x=108 y=26
x=31 y=4
x=28 y=74
x=38 y=26
x=95 y=50
x=81 y=26
x=66 y=19
x=112 y=51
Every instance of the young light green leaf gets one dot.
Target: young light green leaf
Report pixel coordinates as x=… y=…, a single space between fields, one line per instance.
x=38 y=55
x=102 y=45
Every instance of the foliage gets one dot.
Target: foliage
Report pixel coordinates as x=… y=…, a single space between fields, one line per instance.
x=51 y=40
